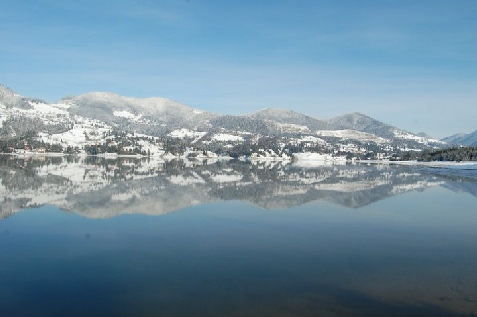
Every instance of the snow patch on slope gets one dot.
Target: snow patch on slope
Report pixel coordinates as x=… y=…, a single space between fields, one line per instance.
x=224 y=137
x=44 y=108
x=352 y=134
x=126 y=114
x=293 y=128
x=85 y=131
x=418 y=139
x=186 y=133
x=309 y=138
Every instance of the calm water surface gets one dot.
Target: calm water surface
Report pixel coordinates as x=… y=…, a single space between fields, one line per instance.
x=412 y=254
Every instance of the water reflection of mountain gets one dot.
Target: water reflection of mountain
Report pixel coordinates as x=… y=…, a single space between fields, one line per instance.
x=100 y=188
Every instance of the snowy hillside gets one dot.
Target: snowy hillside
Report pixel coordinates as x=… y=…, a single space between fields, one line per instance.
x=290 y=117
x=104 y=123
x=469 y=139
x=10 y=99
x=363 y=123
x=137 y=113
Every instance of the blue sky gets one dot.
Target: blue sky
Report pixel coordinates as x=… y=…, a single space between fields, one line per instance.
x=412 y=64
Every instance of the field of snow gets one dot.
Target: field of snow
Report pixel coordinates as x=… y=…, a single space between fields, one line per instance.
x=88 y=131
x=126 y=114
x=293 y=128
x=47 y=109
x=269 y=155
x=352 y=134
x=224 y=137
x=418 y=139
x=49 y=114
x=186 y=133
x=152 y=148
x=310 y=138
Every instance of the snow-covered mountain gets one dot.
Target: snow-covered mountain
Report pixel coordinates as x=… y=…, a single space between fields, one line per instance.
x=359 y=122
x=289 y=120
x=10 y=99
x=467 y=139
x=100 y=122
x=154 y=116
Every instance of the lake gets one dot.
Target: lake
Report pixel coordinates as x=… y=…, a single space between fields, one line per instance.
x=97 y=237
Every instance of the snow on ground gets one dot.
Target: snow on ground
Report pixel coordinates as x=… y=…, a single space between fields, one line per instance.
x=293 y=128
x=200 y=154
x=126 y=114
x=269 y=155
x=79 y=134
x=186 y=133
x=152 y=148
x=47 y=109
x=309 y=138
x=351 y=134
x=42 y=111
x=224 y=137
x=49 y=114
x=61 y=105
x=418 y=139
x=308 y=156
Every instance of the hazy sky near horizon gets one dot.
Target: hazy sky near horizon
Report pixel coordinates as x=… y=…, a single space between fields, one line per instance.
x=412 y=64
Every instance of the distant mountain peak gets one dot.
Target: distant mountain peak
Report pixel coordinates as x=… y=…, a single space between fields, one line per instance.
x=424 y=135
x=361 y=122
x=285 y=116
x=468 y=139
x=6 y=92
x=148 y=105
x=10 y=98
x=276 y=111
x=154 y=115
x=4 y=88
x=355 y=116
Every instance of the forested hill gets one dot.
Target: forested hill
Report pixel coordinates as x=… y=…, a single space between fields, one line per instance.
x=458 y=154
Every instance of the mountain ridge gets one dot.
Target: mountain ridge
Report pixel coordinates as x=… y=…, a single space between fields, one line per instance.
x=286 y=116
x=80 y=117
x=466 y=139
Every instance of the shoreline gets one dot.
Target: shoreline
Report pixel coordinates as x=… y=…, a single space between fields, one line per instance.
x=309 y=162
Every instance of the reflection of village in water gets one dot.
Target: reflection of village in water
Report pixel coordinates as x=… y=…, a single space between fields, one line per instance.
x=101 y=187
